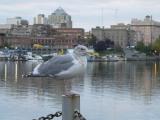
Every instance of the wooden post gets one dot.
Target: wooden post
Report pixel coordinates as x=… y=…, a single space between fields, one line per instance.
x=71 y=102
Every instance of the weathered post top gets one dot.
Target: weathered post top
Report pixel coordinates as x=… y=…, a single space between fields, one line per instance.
x=70 y=103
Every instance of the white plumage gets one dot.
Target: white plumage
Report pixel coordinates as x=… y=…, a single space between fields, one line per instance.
x=64 y=66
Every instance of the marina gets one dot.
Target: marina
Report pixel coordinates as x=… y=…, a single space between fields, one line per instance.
x=89 y=60
x=109 y=91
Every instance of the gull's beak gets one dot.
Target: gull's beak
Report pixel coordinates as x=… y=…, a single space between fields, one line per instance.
x=92 y=53
x=89 y=53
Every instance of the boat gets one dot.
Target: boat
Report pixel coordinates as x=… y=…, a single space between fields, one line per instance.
x=133 y=55
x=4 y=55
x=114 y=58
x=30 y=56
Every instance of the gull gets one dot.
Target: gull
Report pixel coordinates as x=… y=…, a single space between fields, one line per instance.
x=63 y=66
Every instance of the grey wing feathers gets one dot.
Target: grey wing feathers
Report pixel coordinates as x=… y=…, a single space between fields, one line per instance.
x=56 y=65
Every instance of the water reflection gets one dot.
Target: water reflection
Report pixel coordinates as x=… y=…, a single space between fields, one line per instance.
x=112 y=87
x=125 y=83
x=5 y=72
x=11 y=75
x=139 y=78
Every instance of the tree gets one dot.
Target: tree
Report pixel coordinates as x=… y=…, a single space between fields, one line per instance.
x=149 y=50
x=156 y=46
x=100 y=46
x=109 y=43
x=140 y=46
x=143 y=48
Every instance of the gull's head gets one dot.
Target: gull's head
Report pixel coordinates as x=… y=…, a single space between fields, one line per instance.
x=81 y=50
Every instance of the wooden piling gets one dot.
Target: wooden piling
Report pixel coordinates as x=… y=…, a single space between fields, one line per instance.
x=70 y=103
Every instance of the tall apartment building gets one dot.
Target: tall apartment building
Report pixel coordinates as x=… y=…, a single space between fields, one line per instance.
x=147 y=30
x=120 y=34
x=17 y=21
x=40 y=19
x=60 y=19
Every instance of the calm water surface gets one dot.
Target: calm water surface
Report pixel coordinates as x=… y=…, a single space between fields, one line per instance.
x=109 y=91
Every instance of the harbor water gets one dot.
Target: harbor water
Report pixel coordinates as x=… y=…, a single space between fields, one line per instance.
x=108 y=90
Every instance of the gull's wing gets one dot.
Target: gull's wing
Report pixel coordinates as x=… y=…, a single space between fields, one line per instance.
x=55 y=65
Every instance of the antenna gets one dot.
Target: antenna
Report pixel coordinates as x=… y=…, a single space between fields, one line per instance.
x=114 y=16
x=151 y=29
x=102 y=17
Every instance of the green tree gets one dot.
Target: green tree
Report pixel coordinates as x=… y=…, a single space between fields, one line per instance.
x=149 y=49
x=100 y=46
x=140 y=46
x=143 y=48
x=156 y=46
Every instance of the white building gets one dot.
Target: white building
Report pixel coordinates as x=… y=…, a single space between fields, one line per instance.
x=120 y=34
x=40 y=19
x=17 y=21
x=60 y=19
x=147 y=30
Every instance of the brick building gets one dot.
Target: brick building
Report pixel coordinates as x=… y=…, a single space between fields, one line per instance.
x=74 y=35
x=57 y=41
x=19 y=41
x=27 y=36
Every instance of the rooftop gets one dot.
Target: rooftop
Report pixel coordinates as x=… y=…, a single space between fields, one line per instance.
x=60 y=11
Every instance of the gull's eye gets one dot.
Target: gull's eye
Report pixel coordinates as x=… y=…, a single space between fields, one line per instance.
x=82 y=49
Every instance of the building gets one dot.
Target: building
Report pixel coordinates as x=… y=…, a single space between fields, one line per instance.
x=41 y=30
x=2 y=39
x=20 y=30
x=40 y=19
x=6 y=26
x=130 y=36
x=120 y=34
x=45 y=35
x=99 y=33
x=120 y=26
x=17 y=21
x=55 y=42
x=4 y=30
x=60 y=19
x=61 y=38
x=147 y=30
x=76 y=33
x=19 y=41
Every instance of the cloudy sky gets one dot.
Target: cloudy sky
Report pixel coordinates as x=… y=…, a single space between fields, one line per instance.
x=85 y=13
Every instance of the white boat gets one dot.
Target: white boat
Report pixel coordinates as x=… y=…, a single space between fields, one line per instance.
x=30 y=56
x=132 y=54
x=114 y=58
x=4 y=55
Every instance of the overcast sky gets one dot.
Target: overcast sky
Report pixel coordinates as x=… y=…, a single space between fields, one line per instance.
x=85 y=13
